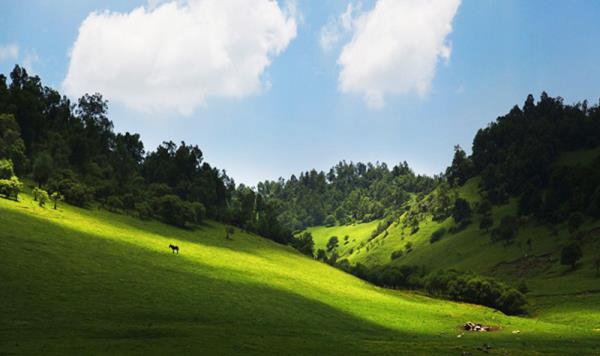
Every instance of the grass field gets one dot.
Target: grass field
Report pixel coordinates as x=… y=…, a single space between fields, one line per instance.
x=80 y=281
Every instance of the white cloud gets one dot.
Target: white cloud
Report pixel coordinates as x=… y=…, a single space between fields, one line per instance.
x=10 y=51
x=395 y=48
x=335 y=28
x=180 y=53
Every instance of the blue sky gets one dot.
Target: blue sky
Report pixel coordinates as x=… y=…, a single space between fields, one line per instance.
x=300 y=117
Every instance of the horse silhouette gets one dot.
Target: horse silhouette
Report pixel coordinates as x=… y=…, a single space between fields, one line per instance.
x=174 y=248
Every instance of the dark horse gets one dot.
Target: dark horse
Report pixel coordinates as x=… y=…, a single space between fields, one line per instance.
x=174 y=248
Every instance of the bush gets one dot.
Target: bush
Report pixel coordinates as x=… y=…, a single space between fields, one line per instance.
x=321 y=255
x=461 y=211
x=570 y=254
x=10 y=188
x=332 y=243
x=437 y=235
x=471 y=288
x=304 y=243
x=74 y=192
x=42 y=197
x=174 y=211
x=6 y=169
x=408 y=246
x=397 y=254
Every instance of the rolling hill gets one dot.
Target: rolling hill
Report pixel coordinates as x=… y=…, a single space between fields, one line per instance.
x=556 y=292
x=92 y=282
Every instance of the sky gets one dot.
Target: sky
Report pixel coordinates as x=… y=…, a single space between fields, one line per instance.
x=271 y=88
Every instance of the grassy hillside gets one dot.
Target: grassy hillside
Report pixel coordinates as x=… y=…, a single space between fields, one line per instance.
x=557 y=293
x=90 y=282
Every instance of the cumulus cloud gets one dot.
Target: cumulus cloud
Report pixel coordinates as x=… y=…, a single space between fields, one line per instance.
x=177 y=54
x=395 y=48
x=10 y=51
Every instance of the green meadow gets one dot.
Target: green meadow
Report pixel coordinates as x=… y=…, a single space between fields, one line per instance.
x=92 y=282
x=557 y=293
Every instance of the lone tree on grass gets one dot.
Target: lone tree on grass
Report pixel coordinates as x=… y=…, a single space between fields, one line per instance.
x=332 y=243
x=321 y=255
x=56 y=197
x=571 y=254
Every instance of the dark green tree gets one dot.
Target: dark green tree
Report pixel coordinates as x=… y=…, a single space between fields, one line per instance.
x=571 y=254
x=304 y=243
x=461 y=169
x=332 y=243
x=42 y=169
x=461 y=211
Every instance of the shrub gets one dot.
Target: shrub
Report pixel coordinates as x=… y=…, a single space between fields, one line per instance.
x=321 y=255
x=408 y=246
x=42 y=197
x=397 y=254
x=469 y=287
x=10 y=188
x=6 y=169
x=570 y=254
x=174 y=211
x=74 y=192
x=461 y=211
x=304 y=243
x=437 y=235
x=332 y=243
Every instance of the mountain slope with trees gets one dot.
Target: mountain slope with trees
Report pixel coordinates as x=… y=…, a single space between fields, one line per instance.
x=71 y=149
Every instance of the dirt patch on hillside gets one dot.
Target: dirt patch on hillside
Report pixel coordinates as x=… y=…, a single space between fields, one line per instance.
x=525 y=266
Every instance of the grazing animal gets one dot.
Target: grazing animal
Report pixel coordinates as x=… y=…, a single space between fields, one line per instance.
x=174 y=248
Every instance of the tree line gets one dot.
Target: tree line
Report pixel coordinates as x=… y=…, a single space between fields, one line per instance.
x=70 y=148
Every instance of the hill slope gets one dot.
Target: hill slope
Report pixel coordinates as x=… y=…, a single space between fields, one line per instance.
x=91 y=282
x=556 y=292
